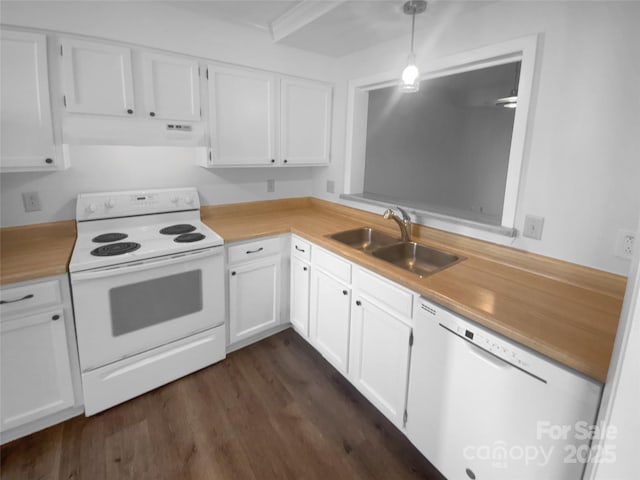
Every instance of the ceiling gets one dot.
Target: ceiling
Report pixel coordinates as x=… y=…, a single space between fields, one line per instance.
x=329 y=27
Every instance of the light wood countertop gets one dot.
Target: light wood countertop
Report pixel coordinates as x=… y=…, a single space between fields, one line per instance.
x=565 y=311
x=35 y=251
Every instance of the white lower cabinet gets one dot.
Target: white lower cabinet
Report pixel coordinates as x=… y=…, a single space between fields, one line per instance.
x=36 y=375
x=39 y=373
x=300 y=282
x=254 y=288
x=330 y=312
x=253 y=297
x=379 y=357
x=359 y=321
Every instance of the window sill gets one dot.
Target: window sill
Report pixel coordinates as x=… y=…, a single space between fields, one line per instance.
x=421 y=214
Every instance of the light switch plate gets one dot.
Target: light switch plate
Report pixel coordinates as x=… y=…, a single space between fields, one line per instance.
x=31 y=202
x=625 y=243
x=331 y=186
x=533 y=227
x=271 y=185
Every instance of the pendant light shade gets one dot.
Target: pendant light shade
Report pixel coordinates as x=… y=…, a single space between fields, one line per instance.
x=409 y=81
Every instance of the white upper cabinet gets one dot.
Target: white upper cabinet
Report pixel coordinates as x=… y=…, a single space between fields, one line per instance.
x=97 y=78
x=260 y=118
x=171 y=87
x=242 y=116
x=27 y=127
x=305 y=128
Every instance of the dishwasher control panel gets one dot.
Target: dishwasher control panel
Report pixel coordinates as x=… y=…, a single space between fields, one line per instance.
x=502 y=348
x=497 y=347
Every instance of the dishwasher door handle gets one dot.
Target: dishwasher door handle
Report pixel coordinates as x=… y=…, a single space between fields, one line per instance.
x=488 y=357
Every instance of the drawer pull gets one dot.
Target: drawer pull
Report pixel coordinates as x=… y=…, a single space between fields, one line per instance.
x=55 y=317
x=26 y=297
x=254 y=251
x=305 y=268
x=358 y=302
x=299 y=249
x=344 y=292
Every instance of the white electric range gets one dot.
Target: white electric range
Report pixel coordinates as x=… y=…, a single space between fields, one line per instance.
x=147 y=279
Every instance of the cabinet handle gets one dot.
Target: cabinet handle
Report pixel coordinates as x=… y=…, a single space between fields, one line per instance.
x=273 y=160
x=26 y=297
x=55 y=317
x=233 y=273
x=152 y=114
x=130 y=112
x=49 y=161
x=358 y=302
x=299 y=249
x=254 y=251
x=286 y=161
x=344 y=292
x=305 y=268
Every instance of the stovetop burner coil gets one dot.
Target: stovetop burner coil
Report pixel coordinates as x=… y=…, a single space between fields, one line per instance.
x=109 y=237
x=119 y=248
x=178 y=229
x=189 y=237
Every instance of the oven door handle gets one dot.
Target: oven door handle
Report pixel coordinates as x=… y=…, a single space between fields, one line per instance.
x=143 y=265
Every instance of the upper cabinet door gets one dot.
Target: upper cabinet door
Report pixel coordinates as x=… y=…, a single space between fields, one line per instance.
x=171 y=87
x=305 y=132
x=243 y=117
x=27 y=128
x=97 y=78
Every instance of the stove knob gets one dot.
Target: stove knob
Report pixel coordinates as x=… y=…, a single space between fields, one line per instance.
x=110 y=203
x=188 y=200
x=91 y=208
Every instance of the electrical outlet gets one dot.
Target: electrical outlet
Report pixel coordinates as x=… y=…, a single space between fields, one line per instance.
x=625 y=243
x=31 y=202
x=533 y=227
x=331 y=186
x=271 y=185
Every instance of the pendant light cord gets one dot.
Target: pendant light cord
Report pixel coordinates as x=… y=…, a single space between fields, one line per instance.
x=413 y=28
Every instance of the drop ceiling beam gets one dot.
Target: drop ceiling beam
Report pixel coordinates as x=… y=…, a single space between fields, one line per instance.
x=300 y=16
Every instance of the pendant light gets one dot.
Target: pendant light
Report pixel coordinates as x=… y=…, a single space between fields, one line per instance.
x=512 y=100
x=409 y=81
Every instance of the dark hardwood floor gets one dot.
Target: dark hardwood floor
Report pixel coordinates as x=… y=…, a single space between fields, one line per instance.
x=274 y=410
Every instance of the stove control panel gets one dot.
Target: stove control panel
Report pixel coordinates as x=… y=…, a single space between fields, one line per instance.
x=94 y=206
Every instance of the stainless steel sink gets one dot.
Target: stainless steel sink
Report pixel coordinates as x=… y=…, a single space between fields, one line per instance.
x=416 y=258
x=366 y=239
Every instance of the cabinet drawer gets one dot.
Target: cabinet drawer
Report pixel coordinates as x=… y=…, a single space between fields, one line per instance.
x=384 y=292
x=300 y=248
x=330 y=263
x=30 y=297
x=251 y=250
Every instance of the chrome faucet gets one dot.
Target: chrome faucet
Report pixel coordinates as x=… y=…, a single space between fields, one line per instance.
x=404 y=223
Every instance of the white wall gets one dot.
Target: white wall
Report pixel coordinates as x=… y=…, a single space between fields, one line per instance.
x=581 y=170
x=619 y=408
x=110 y=168
x=154 y=25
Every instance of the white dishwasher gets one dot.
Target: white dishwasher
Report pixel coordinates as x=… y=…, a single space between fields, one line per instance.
x=484 y=407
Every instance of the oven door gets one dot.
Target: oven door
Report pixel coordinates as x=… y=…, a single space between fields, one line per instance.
x=127 y=309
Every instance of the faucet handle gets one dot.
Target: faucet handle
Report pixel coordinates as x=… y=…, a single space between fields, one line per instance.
x=405 y=215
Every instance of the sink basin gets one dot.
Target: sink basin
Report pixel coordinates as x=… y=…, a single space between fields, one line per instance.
x=365 y=239
x=416 y=258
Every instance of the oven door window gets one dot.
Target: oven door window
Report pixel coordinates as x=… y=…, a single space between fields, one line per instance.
x=140 y=305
